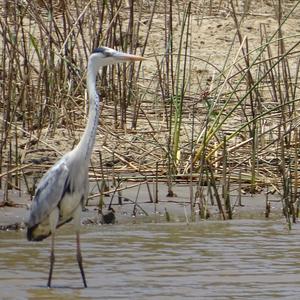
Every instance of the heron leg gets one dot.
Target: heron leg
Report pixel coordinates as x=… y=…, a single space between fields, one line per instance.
x=52 y=259
x=53 y=220
x=79 y=259
x=78 y=250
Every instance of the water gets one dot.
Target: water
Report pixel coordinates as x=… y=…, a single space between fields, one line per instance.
x=241 y=259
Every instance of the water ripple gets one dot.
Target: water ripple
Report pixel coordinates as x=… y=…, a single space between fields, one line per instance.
x=249 y=259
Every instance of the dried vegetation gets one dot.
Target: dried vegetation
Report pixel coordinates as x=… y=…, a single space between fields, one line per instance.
x=216 y=102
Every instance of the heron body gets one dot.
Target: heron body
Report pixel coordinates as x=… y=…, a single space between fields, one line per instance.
x=63 y=190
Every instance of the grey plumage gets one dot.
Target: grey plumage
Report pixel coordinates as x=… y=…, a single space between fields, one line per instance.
x=63 y=190
x=58 y=184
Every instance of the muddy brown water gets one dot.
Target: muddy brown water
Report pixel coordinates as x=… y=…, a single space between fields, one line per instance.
x=240 y=259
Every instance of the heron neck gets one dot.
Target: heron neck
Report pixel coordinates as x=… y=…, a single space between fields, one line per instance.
x=87 y=141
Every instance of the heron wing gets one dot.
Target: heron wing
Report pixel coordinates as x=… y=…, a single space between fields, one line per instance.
x=50 y=191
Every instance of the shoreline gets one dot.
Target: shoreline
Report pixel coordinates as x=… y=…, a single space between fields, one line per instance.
x=136 y=201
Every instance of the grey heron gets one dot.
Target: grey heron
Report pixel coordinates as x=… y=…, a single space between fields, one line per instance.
x=63 y=190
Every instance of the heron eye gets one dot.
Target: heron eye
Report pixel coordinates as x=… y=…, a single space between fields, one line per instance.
x=107 y=54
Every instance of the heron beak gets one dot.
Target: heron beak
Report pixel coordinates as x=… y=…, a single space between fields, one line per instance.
x=127 y=57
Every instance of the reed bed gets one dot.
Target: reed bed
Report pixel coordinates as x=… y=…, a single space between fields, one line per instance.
x=225 y=118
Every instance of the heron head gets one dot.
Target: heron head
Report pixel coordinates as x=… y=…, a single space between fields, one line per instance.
x=105 y=56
